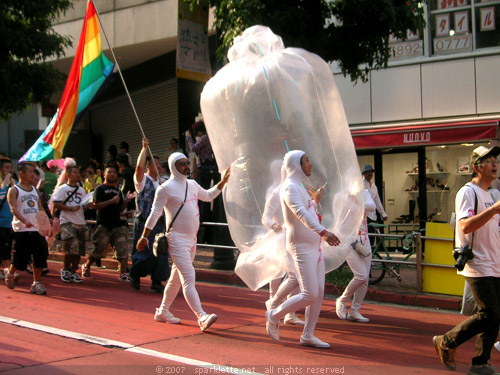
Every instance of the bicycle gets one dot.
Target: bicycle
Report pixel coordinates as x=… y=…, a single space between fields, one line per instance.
x=380 y=254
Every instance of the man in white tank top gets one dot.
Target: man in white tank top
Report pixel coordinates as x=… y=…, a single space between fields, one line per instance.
x=24 y=204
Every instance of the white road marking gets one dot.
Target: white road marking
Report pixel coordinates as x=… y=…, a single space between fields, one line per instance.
x=122 y=345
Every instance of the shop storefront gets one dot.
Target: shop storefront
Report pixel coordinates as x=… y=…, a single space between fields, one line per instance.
x=419 y=167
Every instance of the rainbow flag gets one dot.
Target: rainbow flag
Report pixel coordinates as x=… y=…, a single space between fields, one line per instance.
x=90 y=70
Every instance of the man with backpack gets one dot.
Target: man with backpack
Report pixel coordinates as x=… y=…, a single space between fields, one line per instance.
x=477 y=220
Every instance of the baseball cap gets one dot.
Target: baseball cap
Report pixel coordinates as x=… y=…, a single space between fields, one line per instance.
x=483 y=152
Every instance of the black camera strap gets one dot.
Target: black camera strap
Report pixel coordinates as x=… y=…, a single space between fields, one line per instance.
x=475 y=213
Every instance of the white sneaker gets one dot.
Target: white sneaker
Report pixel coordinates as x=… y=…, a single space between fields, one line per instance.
x=357 y=317
x=37 y=288
x=166 y=317
x=314 y=342
x=497 y=346
x=9 y=279
x=272 y=328
x=340 y=309
x=124 y=277
x=206 y=321
x=293 y=320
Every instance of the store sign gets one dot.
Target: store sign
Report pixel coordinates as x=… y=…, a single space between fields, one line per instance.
x=447 y=4
x=424 y=135
x=453 y=43
x=416 y=137
x=488 y=19
x=412 y=46
x=192 y=58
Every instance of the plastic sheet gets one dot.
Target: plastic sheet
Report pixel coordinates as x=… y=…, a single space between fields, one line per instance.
x=266 y=101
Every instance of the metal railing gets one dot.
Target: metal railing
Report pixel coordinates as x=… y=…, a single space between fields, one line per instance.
x=419 y=263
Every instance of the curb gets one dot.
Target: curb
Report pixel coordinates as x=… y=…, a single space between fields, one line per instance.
x=436 y=301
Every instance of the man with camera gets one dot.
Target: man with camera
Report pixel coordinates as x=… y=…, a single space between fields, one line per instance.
x=477 y=221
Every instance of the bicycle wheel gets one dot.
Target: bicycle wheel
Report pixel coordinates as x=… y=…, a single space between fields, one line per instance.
x=377 y=271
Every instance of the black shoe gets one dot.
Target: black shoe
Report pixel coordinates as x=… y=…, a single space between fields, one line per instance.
x=135 y=283
x=156 y=287
x=482 y=370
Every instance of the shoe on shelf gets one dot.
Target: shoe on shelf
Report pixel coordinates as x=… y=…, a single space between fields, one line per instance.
x=357 y=317
x=446 y=355
x=9 y=279
x=135 y=283
x=293 y=320
x=340 y=309
x=85 y=271
x=65 y=275
x=314 y=342
x=206 y=321
x=166 y=317
x=156 y=287
x=37 y=288
x=272 y=327
x=124 y=277
x=75 y=278
x=482 y=370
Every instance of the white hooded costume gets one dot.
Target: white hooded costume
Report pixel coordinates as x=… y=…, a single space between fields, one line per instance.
x=303 y=239
x=273 y=214
x=360 y=265
x=182 y=236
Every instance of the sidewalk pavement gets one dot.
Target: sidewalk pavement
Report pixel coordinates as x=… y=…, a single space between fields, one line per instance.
x=405 y=297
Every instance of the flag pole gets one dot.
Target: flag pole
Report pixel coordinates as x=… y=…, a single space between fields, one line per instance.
x=126 y=89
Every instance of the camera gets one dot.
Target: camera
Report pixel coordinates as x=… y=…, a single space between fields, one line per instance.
x=462 y=255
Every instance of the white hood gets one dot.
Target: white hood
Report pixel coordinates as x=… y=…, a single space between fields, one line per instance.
x=175 y=174
x=292 y=164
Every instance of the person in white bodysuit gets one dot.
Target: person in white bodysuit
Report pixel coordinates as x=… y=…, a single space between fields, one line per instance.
x=272 y=219
x=360 y=262
x=182 y=236
x=303 y=237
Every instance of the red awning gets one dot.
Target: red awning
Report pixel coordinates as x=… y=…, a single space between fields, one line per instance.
x=425 y=134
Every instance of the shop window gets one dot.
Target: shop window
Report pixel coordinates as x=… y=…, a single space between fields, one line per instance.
x=487 y=22
x=451 y=26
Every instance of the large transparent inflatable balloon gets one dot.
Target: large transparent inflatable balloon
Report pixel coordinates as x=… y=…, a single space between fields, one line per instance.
x=267 y=101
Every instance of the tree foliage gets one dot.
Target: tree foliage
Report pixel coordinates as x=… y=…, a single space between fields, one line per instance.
x=355 y=33
x=27 y=41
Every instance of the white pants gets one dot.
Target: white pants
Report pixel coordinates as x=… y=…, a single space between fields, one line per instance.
x=183 y=273
x=279 y=289
x=358 y=286
x=310 y=268
x=288 y=287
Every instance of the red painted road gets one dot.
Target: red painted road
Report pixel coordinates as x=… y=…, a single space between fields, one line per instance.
x=396 y=341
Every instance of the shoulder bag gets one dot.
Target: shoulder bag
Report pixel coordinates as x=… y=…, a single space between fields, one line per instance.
x=161 y=244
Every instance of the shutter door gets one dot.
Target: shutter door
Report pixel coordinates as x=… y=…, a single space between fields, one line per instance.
x=114 y=120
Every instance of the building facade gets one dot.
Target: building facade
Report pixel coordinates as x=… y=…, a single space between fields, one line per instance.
x=437 y=100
